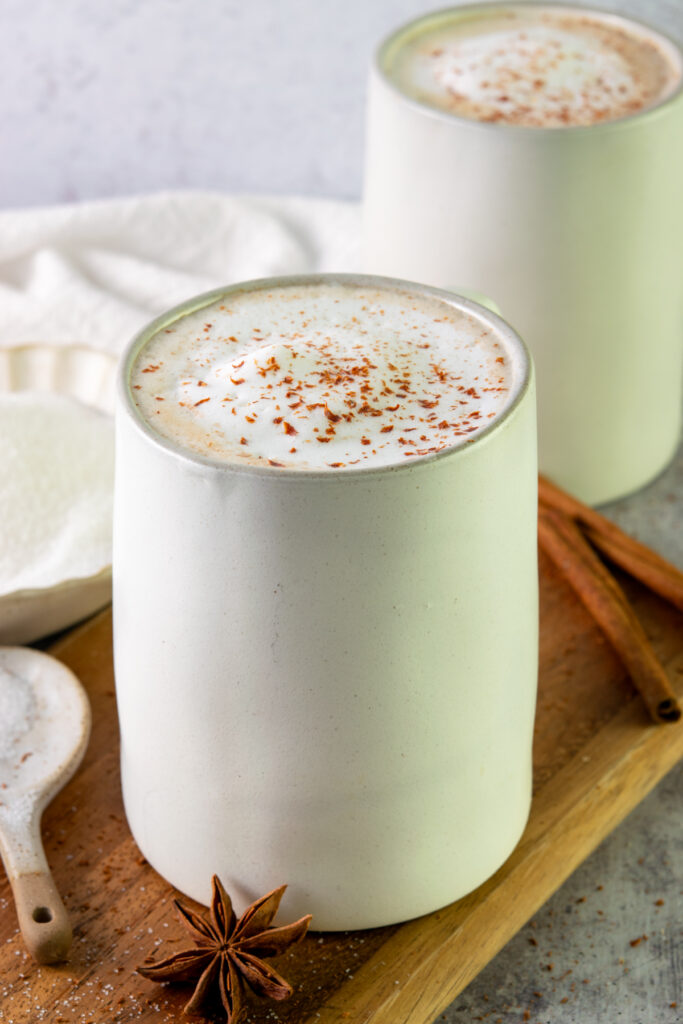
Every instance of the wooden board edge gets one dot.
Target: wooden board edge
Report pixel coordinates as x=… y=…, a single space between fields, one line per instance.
x=424 y=965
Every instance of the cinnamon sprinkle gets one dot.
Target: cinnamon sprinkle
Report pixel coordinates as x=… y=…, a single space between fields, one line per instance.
x=345 y=388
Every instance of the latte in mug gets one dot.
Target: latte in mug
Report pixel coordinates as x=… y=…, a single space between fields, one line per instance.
x=535 y=66
x=534 y=152
x=323 y=376
x=326 y=637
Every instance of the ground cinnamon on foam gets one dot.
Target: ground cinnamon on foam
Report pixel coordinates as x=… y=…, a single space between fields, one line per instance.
x=323 y=376
x=535 y=67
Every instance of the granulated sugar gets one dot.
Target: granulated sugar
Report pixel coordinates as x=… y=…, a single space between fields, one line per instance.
x=56 y=481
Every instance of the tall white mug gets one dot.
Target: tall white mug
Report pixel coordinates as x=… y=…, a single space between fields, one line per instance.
x=577 y=232
x=324 y=678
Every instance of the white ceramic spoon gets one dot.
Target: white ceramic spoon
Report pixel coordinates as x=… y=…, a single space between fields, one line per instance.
x=44 y=730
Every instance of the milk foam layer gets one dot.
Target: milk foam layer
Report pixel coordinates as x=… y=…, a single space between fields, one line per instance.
x=319 y=376
x=534 y=66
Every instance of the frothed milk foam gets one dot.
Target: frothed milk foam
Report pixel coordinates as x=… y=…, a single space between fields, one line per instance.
x=320 y=376
x=534 y=66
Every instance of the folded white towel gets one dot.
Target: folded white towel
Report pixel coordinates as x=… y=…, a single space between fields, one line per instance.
x=93 y=273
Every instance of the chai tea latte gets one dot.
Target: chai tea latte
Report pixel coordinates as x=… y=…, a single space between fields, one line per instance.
x=331 y=375
x=325 y=596
x=536 y=66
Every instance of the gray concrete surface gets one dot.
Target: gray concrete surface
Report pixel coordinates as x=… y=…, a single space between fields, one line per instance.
x=607 y=948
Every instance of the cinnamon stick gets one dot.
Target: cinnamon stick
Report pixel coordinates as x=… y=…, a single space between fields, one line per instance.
x=564 y=543
x=629 y=554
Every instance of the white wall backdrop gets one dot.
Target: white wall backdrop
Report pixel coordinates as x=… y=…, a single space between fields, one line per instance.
x=128 y=96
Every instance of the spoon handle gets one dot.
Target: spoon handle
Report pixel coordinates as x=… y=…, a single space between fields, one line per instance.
x=43 y=919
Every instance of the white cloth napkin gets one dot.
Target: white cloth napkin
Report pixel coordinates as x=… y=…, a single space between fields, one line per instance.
x=94 y=273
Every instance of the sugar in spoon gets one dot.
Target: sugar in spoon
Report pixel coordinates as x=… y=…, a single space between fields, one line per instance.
x=44 y=730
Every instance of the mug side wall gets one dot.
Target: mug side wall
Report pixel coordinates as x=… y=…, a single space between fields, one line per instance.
x=576 y=234
x=328 y=682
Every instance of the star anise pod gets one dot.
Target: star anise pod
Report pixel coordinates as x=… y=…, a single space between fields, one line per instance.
x=229 y=952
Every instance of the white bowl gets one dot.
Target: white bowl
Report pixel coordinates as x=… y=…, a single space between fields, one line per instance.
x=88 y=375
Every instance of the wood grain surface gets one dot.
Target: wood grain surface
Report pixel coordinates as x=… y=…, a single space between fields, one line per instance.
x=596 y=755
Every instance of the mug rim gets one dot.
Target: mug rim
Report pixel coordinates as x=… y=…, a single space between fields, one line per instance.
x=503 y=331
x=618 y=124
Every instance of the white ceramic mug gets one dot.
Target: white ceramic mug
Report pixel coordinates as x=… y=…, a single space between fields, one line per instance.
x=327 y=679
x=576 y=231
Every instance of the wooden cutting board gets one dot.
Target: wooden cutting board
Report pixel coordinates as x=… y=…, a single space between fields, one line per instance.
x=596 y=756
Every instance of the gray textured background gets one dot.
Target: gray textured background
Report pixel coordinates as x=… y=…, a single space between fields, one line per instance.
x=128 y=97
